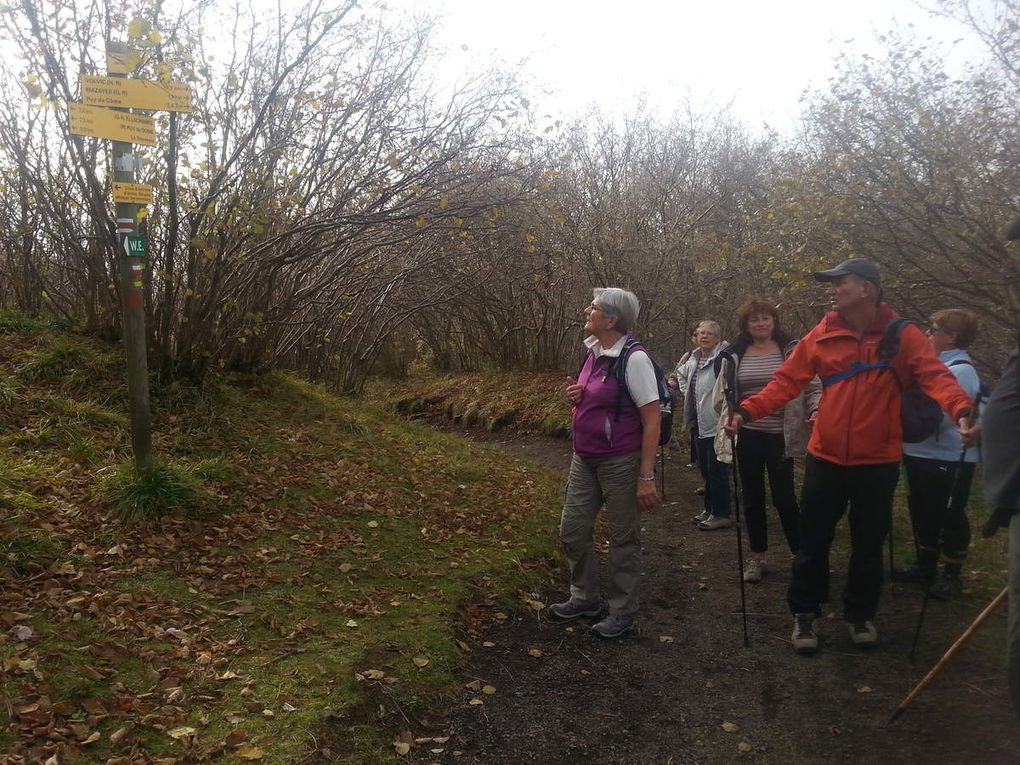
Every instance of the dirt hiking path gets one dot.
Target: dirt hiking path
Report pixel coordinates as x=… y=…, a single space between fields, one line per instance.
x=663 y=695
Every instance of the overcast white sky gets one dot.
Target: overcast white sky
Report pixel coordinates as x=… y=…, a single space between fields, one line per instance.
x=758 y=55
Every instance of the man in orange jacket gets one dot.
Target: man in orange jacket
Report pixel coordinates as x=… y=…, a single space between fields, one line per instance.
x=855 y=449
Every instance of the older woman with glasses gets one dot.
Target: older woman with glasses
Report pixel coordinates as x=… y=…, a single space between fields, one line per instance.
x=615 y=438
x=700 y=412
x=938 y=480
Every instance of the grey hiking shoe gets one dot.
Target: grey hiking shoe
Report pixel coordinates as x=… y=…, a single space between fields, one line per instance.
x=613 y=626
x=701 y=517
x=863 y=633
x=574 y=609
x=754 y=570
x=805 y=636
x=713 y=523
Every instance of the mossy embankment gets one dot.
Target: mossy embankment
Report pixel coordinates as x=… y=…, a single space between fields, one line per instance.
x=306 y=604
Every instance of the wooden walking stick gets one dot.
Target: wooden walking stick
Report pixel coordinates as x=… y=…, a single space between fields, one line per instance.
x=953 y=649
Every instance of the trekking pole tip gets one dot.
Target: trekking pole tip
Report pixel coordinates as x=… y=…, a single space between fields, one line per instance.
x=897 y=714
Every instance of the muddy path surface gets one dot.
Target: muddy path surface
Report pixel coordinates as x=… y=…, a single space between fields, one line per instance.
x=664 y=694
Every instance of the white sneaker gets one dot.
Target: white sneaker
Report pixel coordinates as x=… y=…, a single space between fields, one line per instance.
x=863 y=634
x=755 y=569
x=714 y=524
x=805 y=636
x=701 y=517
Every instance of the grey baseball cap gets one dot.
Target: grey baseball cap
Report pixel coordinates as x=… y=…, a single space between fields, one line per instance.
x=861 y=267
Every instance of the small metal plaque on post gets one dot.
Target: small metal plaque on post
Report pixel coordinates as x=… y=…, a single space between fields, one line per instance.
x=134 y=246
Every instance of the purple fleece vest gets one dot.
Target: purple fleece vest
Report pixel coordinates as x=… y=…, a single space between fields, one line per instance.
x=596 y=431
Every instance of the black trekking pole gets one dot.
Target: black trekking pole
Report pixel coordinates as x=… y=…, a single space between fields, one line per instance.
x=892 y=530
x=731 y=399
x=740 y=541
x=662 y=471
x=941 y=526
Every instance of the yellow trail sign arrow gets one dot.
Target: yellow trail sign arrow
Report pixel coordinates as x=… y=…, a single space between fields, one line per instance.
x=135 y=94
x=132 y=193
x=117 y=126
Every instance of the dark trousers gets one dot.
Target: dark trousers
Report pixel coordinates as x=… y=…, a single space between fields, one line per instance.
x=758 y=452
x=716 y=475
x=694 y=443
x=940 y=521
x=828 y=489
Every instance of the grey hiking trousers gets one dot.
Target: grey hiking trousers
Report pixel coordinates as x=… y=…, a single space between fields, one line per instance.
x=590 y=484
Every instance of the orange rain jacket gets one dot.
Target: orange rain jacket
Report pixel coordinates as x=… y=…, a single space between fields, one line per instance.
x=859 y=418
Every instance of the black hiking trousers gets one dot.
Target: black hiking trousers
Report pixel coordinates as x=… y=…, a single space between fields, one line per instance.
x=759 y=452
x=939 y=521
x=828 y=490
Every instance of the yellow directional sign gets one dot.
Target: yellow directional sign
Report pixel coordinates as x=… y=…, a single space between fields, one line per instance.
x=117 y=126
x=135 y=94
x=132 y=193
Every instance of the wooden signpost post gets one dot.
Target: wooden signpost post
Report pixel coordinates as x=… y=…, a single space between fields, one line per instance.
x=105 y=114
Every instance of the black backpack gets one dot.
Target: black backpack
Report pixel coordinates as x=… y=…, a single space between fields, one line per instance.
x=920 y=414
x=667 y=399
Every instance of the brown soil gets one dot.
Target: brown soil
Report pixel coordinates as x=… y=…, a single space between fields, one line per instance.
x=662 y=695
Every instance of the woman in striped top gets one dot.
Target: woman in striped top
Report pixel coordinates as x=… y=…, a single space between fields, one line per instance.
x=767 y=445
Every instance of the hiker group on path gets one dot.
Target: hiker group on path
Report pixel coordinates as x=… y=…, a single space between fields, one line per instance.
x=845 y=397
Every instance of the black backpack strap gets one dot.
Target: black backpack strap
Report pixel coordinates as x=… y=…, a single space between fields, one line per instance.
x=730 y=372
x=889 y=345
x=618 y=369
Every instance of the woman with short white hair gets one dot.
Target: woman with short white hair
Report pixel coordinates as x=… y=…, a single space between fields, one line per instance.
x=616 y=437
x=699 y=410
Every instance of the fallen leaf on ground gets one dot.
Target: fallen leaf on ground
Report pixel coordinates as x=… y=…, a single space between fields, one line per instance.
x=536 y=652
x=488 y=644
x=249 y=752
x=475 y=702
x=401 y=747
x=420 y=661
x=488 y=690
x=235 y=738
x=665 y=638
x=730 y=727
x=865 y=689
x=181 y=733
x=351 y=623
x=117 y=736
x=22 y=633
x=744 y=747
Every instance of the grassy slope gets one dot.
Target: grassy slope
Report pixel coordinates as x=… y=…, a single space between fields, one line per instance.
x=341 y=541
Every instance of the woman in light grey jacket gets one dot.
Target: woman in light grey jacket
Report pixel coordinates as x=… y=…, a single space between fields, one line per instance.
x=700 y=412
